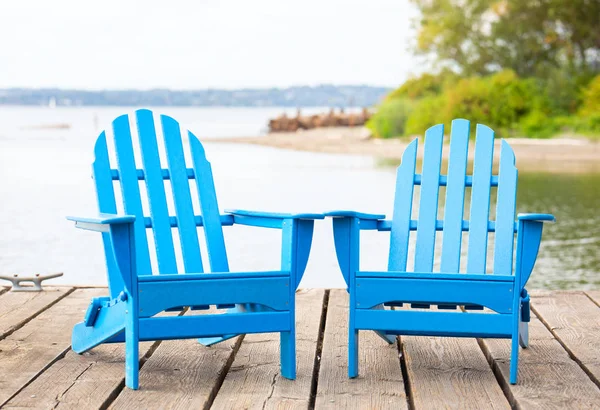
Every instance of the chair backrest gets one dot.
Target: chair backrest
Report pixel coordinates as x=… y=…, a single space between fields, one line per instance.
x=128 y=173
x=457 y=184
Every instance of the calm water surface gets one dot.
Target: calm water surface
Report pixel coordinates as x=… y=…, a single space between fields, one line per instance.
x=45 y=175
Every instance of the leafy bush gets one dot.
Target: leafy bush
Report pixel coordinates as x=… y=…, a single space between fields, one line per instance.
x=390 y=118
x=591 y=98
x=538 y=125
x=532 y=107
x=426 y=113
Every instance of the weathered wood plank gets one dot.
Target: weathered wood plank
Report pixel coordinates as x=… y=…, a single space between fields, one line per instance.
x=380 y=384
x=548 y=378
x=17 y=308
x=43 y=340
x=179 y=374
x=450 y=373
x=86 y=381
x=575 y=321
x=594 y=295
x=254 y=380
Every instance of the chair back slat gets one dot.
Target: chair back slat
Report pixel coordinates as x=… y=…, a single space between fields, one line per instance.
x=188 y=234
x=480 y=200
x=428 y=202
x=400 y=230
x=131 y=191
x=455 y=197
x=505 y=211
x=159 y=212
x=105 y=195
x=213 y=231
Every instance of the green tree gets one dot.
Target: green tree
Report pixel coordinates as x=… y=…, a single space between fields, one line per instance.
x=485 y=36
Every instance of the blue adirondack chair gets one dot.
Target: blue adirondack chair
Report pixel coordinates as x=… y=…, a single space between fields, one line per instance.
x=256 y=301
x=373 y=294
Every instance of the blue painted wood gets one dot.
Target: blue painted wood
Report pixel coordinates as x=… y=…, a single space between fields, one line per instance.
x=433 y=323
x=536 y=217
x=262 y=301
x=141 y=174
x=191 y=327
x=468 y=178
x=275 y=215
x=207 y=196
x=400 y=230
x=161 y=227
x=226 y=220
x=432 y=161
x=429 y=276
x=480 y=199
x=502 y=292
x=455 y=197
x=105 y=197
x=361 y=215
x=188 y=235
x=496 y=295
x=130 y=189
x=386 y=226
x=505 y=212
x=162 y=295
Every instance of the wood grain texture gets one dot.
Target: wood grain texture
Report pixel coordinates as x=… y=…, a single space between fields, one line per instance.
x=17 y=308
x=548 y=377
x=380 y=384
x=44 y=339
x=254 y=380
x=84 y=381
x=180 y=374
x=451 y=373
x=575 y=321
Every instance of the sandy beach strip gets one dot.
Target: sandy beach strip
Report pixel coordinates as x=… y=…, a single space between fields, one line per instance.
x=571 y=155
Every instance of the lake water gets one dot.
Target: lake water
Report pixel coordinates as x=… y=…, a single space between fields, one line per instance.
x=45 y=175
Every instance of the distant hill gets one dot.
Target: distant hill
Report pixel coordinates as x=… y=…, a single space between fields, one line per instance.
x=322 y=95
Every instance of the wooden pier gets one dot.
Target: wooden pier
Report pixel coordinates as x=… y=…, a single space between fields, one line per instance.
x=561 y=369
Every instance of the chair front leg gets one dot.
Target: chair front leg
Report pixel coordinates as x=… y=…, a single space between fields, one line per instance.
x=132 y=339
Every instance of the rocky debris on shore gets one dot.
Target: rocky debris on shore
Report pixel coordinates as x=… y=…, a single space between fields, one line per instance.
x=283 y=123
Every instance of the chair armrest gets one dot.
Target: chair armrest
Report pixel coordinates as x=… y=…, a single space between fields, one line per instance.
x=529 y=236
x=267 y=219
x=279 y=215
x=536 y=217
x=101 y=222
x=354 y=214
x=296 y=231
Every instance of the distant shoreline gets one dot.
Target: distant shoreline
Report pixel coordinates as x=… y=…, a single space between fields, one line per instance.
x=564 y=155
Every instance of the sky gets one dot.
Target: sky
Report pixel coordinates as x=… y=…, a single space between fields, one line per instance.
x=196 y=44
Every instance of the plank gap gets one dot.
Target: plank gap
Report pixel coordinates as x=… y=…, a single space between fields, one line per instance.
x=117 y=391
x=498 y=374
x=27 y=319
x=60 y=356
x=404 y=369
x=318 y=352
x=590 y=297
x=564 y=345
x=215 y=390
